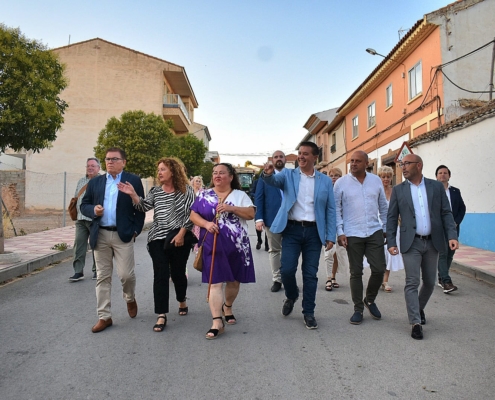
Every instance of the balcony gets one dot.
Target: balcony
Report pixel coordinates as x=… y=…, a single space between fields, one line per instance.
x=175 y=109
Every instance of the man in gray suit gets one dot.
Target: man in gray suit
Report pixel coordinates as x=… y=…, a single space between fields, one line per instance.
x=426 y=221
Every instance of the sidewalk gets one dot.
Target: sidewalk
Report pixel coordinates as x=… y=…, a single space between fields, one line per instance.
x=35 y=249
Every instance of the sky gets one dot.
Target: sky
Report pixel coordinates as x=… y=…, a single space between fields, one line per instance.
x=259 y=68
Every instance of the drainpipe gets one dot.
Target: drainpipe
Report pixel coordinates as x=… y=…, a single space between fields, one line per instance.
x=491 y=70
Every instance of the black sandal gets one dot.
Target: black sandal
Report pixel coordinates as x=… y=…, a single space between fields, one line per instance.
x=160 y=327
x=229 y=319
x=328 y=285
x=183 y=311
x=215 y=332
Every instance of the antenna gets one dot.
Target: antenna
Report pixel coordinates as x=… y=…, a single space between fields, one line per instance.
x=69 y=39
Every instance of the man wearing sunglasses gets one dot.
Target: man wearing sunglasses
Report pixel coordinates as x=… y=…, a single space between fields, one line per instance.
x=426 y=221
x=116 y=223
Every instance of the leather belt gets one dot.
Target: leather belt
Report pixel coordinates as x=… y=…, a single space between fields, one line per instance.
x=424 y=237
x=301 y=223
x=109 y=228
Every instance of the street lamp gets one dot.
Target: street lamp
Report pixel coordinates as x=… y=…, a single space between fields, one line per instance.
x=373 y=52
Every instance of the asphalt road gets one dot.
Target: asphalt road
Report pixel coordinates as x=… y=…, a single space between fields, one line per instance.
x=48 y=351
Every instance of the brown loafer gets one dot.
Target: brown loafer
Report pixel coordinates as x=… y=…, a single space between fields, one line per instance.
x=132 y=308
x=101 y=325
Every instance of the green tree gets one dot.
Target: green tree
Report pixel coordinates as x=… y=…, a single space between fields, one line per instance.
x=31 y=79
x=144 y=137
x=248 y=163
x=190 y=150
x=207 y=172
x=31 y=111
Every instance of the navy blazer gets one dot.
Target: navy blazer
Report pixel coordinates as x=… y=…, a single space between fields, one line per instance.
x=458 y=206
x=401 y=204
x=129 y=220
x=267 y=200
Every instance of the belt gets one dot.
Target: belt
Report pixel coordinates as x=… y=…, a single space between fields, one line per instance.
x=424 y=237
x=301 y=223
x=109 y=228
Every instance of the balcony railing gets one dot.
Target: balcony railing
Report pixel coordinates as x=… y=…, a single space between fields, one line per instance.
x=174 y=100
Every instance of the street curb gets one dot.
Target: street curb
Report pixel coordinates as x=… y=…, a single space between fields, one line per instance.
x=473 y=272
x=26 y=267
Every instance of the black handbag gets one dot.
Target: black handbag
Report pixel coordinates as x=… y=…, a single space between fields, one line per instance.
x=189 y=239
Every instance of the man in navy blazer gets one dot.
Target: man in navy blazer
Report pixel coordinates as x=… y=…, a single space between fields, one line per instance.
x=425 y=223
x=115 y=225
x=307 y=221
x=458 y=211
x=268 y=200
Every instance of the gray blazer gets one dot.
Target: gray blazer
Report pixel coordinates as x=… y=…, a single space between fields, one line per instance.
x=401 y=204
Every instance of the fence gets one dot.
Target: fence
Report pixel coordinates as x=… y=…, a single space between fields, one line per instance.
x=29 y=193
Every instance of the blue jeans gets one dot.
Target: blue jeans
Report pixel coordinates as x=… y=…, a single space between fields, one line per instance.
x=298 y=240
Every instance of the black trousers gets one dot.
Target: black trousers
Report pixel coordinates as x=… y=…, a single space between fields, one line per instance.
x=166 y=264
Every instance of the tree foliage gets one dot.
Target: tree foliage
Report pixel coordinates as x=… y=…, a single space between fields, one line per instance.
x=207 y=172
x=31 y=79
x=142 y=136
x=190 y=150
x=146 y=138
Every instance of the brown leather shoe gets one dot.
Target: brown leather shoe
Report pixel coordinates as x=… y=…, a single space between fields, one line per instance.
x=132 y=308
x=101 y=325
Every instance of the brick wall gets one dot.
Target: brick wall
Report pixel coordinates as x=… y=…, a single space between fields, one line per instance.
x=13 y=184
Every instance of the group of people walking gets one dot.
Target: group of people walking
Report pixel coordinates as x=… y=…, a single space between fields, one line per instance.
x=301 y=210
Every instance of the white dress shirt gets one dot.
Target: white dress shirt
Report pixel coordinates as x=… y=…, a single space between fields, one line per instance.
x=420 y=201
x=358 y=206
x=304 y=207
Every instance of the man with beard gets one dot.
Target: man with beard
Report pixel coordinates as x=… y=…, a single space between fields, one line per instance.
x=268 y=200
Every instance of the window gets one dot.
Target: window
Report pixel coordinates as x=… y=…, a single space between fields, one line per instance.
x=355 y=127
x=415 y=81
x=388 y=93
x=333 y=148
x=371 y=115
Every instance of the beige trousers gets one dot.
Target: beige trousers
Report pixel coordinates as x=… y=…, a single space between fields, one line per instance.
x=109 y=247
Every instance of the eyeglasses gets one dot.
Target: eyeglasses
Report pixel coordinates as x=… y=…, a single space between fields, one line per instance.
x=113 y=159
x=407 y=163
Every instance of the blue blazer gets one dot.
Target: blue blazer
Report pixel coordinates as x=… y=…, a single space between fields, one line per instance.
x=129 y=220
x=324 y=202
x=267 y=200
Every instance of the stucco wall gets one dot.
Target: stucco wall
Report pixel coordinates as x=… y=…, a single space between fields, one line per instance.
x=104 y=81
x=463 y=28
x=468 y=154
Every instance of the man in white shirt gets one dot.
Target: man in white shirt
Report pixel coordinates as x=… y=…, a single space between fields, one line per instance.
x=426 y=223
x=359 y=199
x=306 y=220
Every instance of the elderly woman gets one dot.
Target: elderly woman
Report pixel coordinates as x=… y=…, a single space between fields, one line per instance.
x=223 y=210
x=335 y=258
x=393 y=263
x=169 y=239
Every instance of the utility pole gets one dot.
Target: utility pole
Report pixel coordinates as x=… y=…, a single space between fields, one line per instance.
x=491 y=69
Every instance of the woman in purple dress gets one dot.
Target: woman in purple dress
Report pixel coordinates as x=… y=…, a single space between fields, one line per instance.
x=223 y=210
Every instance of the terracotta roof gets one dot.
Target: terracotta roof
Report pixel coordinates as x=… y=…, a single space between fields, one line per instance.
x=463 y=121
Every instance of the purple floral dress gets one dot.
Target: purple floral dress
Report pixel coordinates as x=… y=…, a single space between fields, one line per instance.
x=233 y=257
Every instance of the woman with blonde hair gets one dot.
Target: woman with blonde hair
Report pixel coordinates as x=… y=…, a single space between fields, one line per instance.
x=197 y=184
x=170 y=238
x=393 y=263
x=335 y=258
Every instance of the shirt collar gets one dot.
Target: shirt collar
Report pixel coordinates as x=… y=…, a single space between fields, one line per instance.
x=309 y=176
x=117 y=177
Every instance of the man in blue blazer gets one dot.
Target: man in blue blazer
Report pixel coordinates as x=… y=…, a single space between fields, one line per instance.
x=115 y=225
x=307 y=221
x=458 y=211
x=268 y=200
